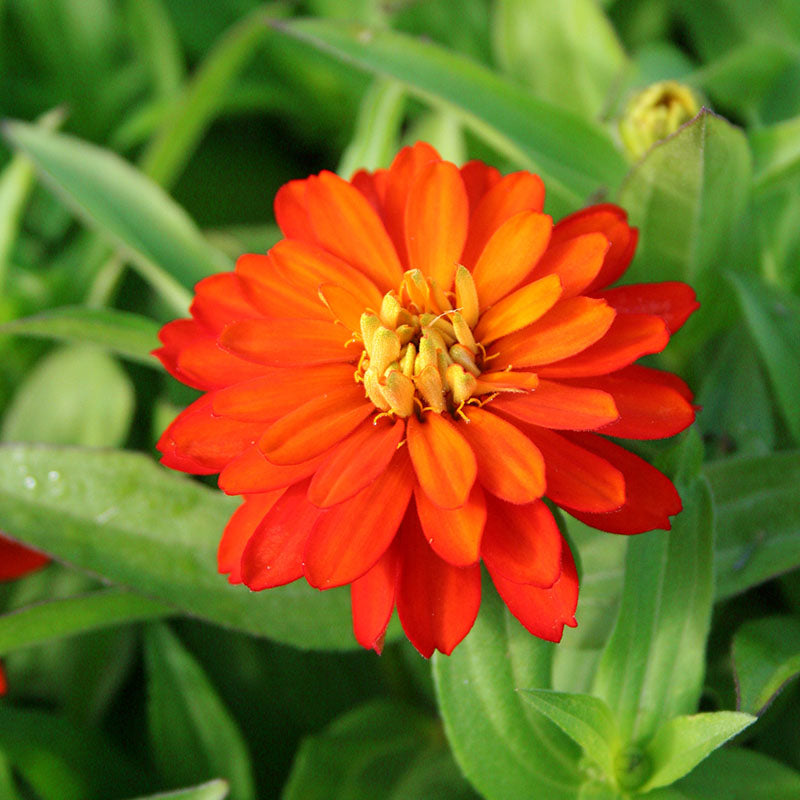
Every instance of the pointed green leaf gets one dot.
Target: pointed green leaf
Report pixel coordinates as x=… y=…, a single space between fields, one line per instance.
x=574 y=157
x=587 y=720
x=766 y=654
x=213 y=790
x=123 y=205
x=192 y=732
x=128 y=335
x=757 y=516
x=773 y=317
x=121 y=516
x=504 y=746
x=653 y=665
x=681 y=743
x=776 y=154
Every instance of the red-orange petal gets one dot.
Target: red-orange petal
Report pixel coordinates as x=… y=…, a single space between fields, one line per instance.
x=437 y=603
x=442 y=458
x=208 y=366
x=454 y=534
x=650 y=497
x=522 y=543
x=238 y=531
x=510 y=466
x=175 y=336
x=220 y=298
x=349 y=538
x=570 y=327
x=16 y=560
x=673 y=301
x=437 y=212
x=575 y=476
x=356 y=462
x=519 y=191
x=288 y=342
x=478 y=179
x=315 y=426
x=250 y=472
x=510 y=255
x=577 y=261
x=630 y=336
x=345 y=308
x=544 y=612
x=346 y=225
x=279 y=391
x=274 y=554
x=560 y=406
x=372 y=600
x=518 y=309
x=291 y=212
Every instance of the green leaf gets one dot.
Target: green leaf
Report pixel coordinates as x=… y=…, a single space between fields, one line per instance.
x=653 y=665
x=766 y=655
x=567 y=52
x=382 y=749
x=587 y=720
x=213 y=790
x=7 y=786
x=121 y=516
x=55 y=619
x=503 y=745
x=129 y=335
x=74 y=395
x=757 y=515
x=773 y=317
x=738 y=774
x=125 y=207
x=776 y=154
x=681 y=743
x=192 y=732
x=574 y=157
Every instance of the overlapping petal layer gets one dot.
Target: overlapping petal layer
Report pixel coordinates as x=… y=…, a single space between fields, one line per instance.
x=396 y=386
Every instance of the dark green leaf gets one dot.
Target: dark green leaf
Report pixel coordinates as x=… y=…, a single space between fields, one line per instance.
x=776 y=154
x=121 y=516
x=213 y=790
x=7 y=787
x=192 y=733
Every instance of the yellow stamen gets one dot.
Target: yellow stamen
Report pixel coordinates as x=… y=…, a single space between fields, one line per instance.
x=369 y=324
x=463 y=332
x=462 y=383
x=461 y=355
x=429 y=385
x=467 y=296
x=399 y=393
x=385 y=349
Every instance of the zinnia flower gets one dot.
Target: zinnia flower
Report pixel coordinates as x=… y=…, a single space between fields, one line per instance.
x=16 y=561
x=400 y=381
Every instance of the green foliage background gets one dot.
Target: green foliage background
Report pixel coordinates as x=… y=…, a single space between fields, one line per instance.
x=143 y=142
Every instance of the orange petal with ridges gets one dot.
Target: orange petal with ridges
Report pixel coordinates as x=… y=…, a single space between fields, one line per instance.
x=356 y=462
x=544 y=612
x=316 y=426
x=568 y=328
x=507 y=379
x=556 y=405
x=372 y=600
x=279 y=391
x=437 y=603
x=288 y=342
x=274 y=554
x=519 y=191
x=478 y=179
x=454 y=534
x=436 y=219
x=349 y=538
x=510 y=255
x=510 y=466
x=673 y=301
x=347 y=225
x=344 y=307
x=219 y=299
x=291 y=211
x=518 y=309
x=442 y=458
x=250 y=472
x=522 y=543
x=577 y=261
x=630 y=336
x=238 y=531
x=208 y=366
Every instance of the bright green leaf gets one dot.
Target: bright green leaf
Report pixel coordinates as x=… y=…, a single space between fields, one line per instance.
x=504 y=746
x=213 y=790
x=128 y=335
x=681 y=743
x=119 y=515
x=124 y=206
x=653 y=665
x=757 y=517
x=773 y=317
x=766 y=654
x=74 y=395
x=54 y=619
x=574 y=157
x=192 y=732
x=776 y=154
x=587 y=720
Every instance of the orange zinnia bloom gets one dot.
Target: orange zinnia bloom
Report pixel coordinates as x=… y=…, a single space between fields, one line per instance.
x=399 y=382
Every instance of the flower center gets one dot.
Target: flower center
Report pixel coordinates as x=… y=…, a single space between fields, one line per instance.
x=419 y=351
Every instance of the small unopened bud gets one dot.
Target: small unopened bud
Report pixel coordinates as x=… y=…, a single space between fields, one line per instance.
x=429 y=385
x=399 y=393
x=385 y=349
x=461 y=355
x=467 y=296
x=369 y=324
x=463 y=332
x=462 y=384
x=373 y=389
